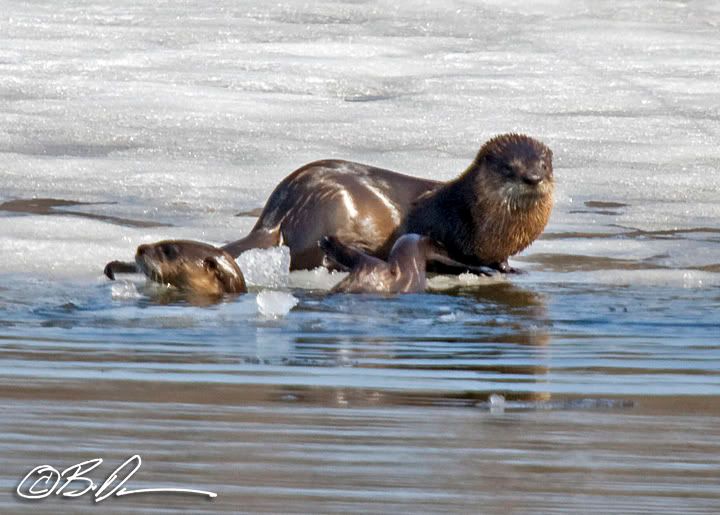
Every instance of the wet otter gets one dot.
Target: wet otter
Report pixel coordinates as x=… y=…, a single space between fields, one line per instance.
x=495 y=209
x=190 y=266
x=403 y=272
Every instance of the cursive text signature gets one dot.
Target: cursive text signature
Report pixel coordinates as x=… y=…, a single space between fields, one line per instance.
x=45 y=480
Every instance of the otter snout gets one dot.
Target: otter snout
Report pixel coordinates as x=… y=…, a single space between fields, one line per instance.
x=144 y=264
x=144 y=258
x=532 y=179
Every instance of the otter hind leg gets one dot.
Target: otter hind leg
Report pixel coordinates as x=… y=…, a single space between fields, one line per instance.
x=342 y=255
x=257 y=239
x=445 y=264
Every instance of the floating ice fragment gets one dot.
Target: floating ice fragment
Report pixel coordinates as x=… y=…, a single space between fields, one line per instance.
x=124 y=290
x=497 y=400
x=448 y=317
x=269 y=268
x=497 y=403
x=464 y=280
x=275 y=304
x=316 y=279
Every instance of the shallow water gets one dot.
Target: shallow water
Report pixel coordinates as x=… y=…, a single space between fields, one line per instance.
x=589 y=384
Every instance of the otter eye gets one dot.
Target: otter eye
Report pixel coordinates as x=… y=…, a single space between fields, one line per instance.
x=507 y=170
x=169 y=251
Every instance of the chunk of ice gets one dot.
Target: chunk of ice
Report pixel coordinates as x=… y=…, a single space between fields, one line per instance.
x=448 y=317
x=497 y=400
x=275 y=304
x=269 y=268
x=316 y=279
x=497 y=403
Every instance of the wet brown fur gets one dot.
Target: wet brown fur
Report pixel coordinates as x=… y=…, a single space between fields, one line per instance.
x=486 y=215
x=490 y=213
x=313 y=202
x=191 y=266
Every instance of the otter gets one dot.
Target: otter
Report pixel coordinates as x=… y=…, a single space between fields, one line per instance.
x=403 y=272
x=191 y=266
x=497 y=207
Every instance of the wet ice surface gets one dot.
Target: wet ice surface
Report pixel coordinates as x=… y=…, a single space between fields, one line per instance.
x=184 y=115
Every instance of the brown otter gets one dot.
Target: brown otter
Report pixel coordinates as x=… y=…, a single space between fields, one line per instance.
x=190 y=266
x=496 y=208
x=403 y=272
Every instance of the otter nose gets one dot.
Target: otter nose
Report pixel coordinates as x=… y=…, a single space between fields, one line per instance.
x=532 y=179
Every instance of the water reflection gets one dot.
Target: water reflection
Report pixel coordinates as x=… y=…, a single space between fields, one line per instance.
x=496 y=333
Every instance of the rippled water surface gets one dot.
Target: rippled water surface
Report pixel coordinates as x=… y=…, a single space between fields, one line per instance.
x=363 y=403
x=589 y=384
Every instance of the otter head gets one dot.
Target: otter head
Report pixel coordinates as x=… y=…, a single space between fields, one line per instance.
x=514 y=170
x=191 y=266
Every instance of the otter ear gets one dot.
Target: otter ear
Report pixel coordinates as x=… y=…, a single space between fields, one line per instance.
x=210 y=264
x=169 y=250
x=231 y=283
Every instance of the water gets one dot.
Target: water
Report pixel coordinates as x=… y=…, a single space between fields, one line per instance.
x=589 y=384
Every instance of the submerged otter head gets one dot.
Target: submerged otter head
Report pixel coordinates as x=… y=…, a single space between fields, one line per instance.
x=191 y=266
x=515 y=171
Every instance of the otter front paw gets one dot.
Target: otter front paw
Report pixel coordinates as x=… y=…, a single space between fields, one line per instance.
x=482 y=271
x=505 y=268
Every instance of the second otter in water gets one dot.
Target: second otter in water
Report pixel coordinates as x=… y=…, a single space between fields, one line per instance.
x=191 y=266
x=403 y=272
